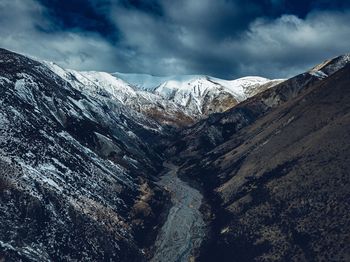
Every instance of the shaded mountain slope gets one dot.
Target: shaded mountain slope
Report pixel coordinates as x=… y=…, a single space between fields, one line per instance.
x=75 y=170
x=278 y=181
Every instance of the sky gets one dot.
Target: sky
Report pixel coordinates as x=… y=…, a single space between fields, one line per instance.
x=221 y=38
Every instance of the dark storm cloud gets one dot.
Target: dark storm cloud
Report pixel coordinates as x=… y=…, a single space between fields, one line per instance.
x=232 y=38
x=152 y=7
x=225 y=38
x=78 y=15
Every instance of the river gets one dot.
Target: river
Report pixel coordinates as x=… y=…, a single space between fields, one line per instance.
x=184 y=228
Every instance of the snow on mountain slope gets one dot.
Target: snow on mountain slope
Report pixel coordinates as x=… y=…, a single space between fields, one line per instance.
x=149 y=82
x=117 y=88
x=232 y=120
x=108 y=85
x=329 y=67
x=171 y=100
x=200 y=94
x=95 y=83
x=205 y=95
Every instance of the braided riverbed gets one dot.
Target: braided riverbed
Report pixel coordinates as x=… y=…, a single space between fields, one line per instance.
x=184 y=228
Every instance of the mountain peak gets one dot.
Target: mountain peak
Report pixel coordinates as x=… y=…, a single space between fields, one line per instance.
x=330 y=66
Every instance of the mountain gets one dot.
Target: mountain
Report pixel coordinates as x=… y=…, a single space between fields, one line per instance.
x=218 y=127
x=199 y=94
x=75 y=169
x=275 y=170
x=80 y=152
x=174 y=101
x=151 y=105
x=126 y=167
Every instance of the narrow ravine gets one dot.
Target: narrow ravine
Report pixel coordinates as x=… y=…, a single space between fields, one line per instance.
x=184 y=228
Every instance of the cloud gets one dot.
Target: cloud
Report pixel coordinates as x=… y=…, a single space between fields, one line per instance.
x=288 y=45
x=224 y=38
x=20 y=31
x=190 y=40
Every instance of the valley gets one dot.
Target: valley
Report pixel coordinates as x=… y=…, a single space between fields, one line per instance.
x=184 y=229
x=116 y=167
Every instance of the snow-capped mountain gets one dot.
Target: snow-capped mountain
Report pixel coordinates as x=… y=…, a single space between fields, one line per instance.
x=149 y=82
x=330 y=66
x=201 y=95
x=172 y=100
x=205 y=95
x=107 y=85
x=261 y=103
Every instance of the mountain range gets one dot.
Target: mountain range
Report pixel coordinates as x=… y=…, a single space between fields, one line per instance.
x=175 y=100
x=98 y=166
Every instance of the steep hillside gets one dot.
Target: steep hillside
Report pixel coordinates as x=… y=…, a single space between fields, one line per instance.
x=75 y=170
x=275 y=170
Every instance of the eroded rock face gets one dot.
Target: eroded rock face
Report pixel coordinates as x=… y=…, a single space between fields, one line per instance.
x=276 y=170
x=70 y=168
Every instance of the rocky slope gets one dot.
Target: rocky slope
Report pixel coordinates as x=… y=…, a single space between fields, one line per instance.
x=275 y=170
x=75 y=170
